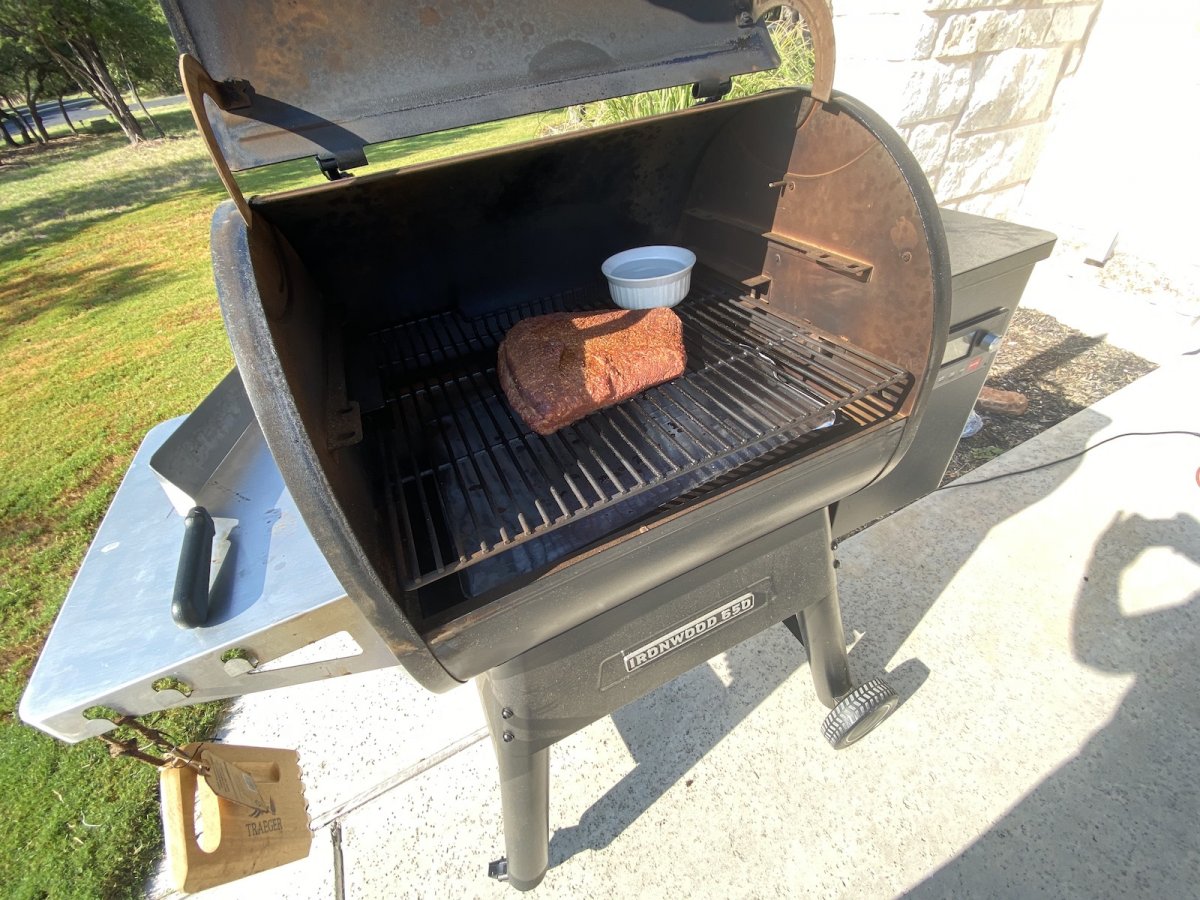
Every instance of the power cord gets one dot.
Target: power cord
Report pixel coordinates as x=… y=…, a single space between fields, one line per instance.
x=1055 y=462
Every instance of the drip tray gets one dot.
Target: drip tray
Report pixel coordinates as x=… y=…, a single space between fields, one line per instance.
x=465 y=479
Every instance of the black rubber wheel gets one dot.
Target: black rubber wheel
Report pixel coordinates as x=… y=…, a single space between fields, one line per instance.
x=859 y=712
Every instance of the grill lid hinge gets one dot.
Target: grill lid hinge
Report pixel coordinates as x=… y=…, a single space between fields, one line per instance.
x=333 y=164
x=328 y=165
x=711 y=90
x=236 y=93
x=818 y=20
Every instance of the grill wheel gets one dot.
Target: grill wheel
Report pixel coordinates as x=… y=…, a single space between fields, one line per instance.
x=859 y=712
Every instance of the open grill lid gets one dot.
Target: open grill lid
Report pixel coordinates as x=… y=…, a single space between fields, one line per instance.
x=303 y=78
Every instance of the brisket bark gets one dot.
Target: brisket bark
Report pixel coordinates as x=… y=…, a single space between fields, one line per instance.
x=556 y=369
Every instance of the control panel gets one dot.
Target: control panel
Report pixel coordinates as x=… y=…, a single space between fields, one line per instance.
x=970 y=346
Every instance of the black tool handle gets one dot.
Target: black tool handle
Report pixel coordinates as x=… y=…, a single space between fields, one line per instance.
x=189 y=605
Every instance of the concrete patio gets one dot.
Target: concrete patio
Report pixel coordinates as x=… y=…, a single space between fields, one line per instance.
x=1043 y=631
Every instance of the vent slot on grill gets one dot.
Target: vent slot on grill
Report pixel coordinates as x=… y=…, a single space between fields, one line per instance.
x=464 y=480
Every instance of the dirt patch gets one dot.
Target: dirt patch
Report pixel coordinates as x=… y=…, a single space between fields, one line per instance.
x=17 y=660
x=1062 y=371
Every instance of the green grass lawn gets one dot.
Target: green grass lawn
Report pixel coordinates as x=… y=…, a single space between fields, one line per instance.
x=108 y=325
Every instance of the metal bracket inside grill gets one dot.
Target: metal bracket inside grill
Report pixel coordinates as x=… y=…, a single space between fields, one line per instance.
x=822 y=256
x=343 y=418
x=465 y=479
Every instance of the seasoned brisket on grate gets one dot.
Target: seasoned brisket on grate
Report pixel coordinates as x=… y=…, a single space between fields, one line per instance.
x=557 y=368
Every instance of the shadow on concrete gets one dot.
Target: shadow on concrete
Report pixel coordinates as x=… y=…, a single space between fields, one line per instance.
x=1118 y=820
x=668 y=735
x=667 y=739
x=884 y=621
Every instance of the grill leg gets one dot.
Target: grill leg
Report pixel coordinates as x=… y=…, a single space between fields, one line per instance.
x=525 y=798
x=820 y=630
x=524 y=792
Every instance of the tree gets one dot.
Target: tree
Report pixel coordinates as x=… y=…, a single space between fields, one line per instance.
x=59 y=84
x=22 y=73
x=138 y=97
x=33 y=80
x=8 y=138
x=81 y=36
x=145 y=47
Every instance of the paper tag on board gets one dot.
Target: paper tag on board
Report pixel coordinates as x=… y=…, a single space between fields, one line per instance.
x=230 y=782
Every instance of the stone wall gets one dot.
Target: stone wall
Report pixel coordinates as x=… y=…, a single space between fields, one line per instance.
x=970 y=84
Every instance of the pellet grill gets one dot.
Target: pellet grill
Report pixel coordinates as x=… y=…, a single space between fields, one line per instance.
x=360 y=470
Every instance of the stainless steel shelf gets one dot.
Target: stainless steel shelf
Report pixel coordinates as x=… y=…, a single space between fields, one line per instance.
x=273 y=594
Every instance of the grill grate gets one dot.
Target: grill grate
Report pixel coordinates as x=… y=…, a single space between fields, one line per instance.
x=465 y=479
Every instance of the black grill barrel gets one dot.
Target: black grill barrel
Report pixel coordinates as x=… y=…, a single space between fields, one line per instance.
x=431 y=509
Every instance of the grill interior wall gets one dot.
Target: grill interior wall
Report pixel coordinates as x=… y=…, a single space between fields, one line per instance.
x=499 y=229
x=839 y=198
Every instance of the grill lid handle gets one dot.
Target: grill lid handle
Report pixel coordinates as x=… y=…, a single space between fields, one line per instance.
x=819 y=20
x=197 y=84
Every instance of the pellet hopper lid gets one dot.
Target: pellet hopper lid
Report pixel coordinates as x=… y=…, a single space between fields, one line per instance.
x=304 y=78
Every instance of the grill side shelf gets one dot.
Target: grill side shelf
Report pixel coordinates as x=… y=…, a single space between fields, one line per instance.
x=464 y=479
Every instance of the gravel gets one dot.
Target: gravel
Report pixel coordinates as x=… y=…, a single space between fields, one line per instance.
x=1060 y=370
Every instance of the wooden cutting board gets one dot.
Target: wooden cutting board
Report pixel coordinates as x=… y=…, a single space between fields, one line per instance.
x=211 y=840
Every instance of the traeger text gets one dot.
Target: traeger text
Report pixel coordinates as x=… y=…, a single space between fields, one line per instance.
x=257 y=829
